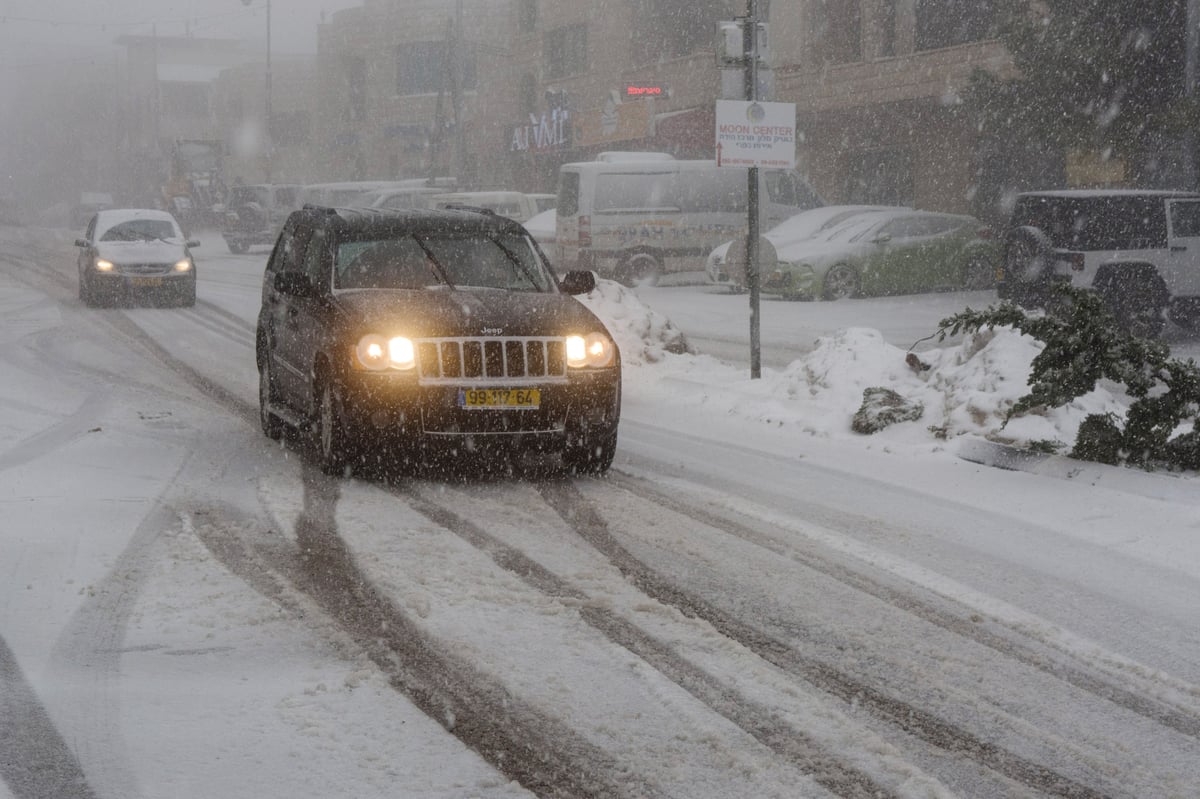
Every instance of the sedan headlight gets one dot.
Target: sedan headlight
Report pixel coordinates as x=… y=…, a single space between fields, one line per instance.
x=378 y=353
x=103 y=265
x=596 y=350
x=183 y=266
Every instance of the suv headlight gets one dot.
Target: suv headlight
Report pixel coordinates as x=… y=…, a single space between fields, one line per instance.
x=377 y=353
x=103 y=265
x=596 y=351
x=184 y=265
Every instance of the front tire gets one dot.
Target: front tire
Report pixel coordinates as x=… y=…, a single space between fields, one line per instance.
x=272 y=425
x=332 y=440
x=641 y=268
x=841 y=282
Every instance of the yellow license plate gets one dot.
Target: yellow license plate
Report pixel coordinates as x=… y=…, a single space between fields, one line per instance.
x=499 y=398
x=145 y=282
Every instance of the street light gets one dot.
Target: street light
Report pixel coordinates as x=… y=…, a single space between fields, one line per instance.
x=267 y=132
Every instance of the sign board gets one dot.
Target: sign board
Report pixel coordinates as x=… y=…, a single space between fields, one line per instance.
x=756 y=134
x=616 y=122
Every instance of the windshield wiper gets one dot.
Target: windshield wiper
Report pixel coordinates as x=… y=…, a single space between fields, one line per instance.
x=437 y=265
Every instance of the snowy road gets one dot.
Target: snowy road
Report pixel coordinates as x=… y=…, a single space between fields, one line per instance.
x=738 y=610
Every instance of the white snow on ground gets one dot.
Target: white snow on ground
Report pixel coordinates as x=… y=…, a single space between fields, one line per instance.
x=218 y=686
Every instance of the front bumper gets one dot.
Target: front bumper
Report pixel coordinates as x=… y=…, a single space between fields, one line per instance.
x=396 y=407
x=119 y=283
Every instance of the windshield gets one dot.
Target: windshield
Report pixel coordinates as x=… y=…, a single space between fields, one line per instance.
x=140 y=230
x=506 y=262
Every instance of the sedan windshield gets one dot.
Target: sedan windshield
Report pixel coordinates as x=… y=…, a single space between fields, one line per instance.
x=140 y=230
x=506 y=262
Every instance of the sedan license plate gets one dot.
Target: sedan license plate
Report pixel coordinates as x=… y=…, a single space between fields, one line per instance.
x=145 y=282
x=499 y=398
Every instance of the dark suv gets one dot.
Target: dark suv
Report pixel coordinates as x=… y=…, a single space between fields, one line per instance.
x=1140 y=250
x=406 y=334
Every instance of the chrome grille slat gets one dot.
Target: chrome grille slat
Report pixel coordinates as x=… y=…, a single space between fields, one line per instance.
x=478 y=360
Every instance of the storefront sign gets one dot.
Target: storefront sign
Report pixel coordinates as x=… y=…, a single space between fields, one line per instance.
x=640 y=90
x=615 y=122
x=552 y=131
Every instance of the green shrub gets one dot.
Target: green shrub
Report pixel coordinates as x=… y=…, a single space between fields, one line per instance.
x=1083 y=344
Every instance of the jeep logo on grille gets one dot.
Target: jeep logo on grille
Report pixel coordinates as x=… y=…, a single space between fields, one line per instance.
x=492 y=331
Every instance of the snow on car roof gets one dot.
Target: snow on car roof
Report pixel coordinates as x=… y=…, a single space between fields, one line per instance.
x=108 y=219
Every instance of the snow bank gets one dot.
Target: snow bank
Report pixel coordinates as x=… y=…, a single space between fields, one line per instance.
x=966 y=387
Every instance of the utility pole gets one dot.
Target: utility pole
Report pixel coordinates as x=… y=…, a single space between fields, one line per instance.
x=750 y=49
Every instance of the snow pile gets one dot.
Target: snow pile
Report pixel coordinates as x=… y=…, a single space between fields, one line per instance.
x=966 y=388
x=642 y=334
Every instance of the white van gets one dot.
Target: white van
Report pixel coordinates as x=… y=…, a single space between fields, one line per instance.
x=635 y=220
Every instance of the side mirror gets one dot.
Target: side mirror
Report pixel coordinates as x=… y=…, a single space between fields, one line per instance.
x=295 y=284
x=81 y=243
x=192 y=243
x=578 y=281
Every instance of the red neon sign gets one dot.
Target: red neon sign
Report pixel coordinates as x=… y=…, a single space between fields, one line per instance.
x=644 y=91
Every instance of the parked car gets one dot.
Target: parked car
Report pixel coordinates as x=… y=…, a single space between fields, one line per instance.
x=255 y=213
x=1139 y=249
x=398 y=199
x=804 y=225
x=440 y=332
x=882 y=253
x=543 y=202
x=512 y=204
x=134 y=252
x=345 y=194
x=637 y=216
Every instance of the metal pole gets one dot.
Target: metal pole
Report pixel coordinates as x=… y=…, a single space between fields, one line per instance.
x=1190 y=68
x=270 y=142
x=750 y=50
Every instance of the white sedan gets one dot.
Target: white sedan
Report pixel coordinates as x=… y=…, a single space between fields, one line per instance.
x=135 y=251
x=801 y=226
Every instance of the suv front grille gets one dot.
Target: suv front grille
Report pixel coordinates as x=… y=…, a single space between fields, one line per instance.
x=498 y=361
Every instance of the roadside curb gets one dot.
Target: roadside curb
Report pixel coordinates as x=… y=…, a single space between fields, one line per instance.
x=1169 y=486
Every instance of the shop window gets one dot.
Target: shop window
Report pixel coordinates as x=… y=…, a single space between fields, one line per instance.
x=673 y=28
x=879 y=177
x=837 y=31
x=527 y=16
x=565 y=51
x=945 y=23
x=421 y=67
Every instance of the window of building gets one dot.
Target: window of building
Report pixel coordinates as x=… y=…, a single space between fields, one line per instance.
x=674 y=28
x=945 y=23
x=880 y=177
x=421 y=67
x=565 y=51
x=529 y=94
x=527 y=16
x=837 y=31
x=356 y=86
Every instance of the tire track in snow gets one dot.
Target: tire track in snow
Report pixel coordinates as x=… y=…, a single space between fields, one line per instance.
x=759 y=721
x=35 y=761
x=1006 y=642
x=578 y=512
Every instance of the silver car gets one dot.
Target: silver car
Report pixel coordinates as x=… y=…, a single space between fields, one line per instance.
x=131 y=252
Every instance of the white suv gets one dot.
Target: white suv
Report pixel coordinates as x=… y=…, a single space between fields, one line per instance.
x=1139 y=249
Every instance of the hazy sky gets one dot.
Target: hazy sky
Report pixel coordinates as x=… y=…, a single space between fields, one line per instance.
x=35 y=32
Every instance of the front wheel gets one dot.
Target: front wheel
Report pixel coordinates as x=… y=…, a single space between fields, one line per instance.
x=639 y=268
x=841 y=282
x=332 y=439
x=272 y=426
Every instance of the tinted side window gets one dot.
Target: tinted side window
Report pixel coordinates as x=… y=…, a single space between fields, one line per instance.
x=636 y=191
x=1097 y=223
x=709 y=191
